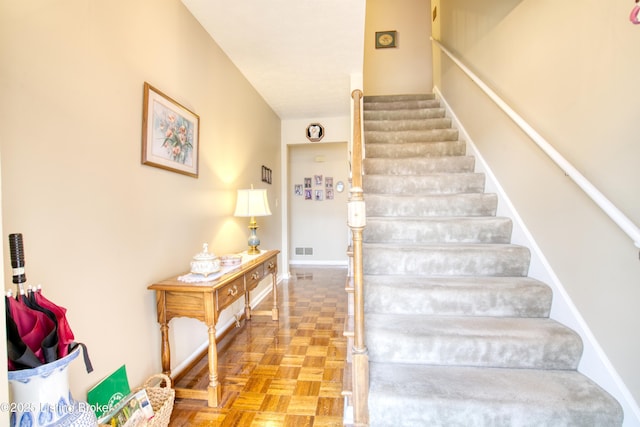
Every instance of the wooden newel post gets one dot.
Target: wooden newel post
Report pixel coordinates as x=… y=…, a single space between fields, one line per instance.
x=357 y=221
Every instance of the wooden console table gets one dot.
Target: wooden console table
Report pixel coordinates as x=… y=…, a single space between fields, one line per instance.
x=204 y=301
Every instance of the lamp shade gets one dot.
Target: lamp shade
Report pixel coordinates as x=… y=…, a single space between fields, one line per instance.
x=252 y=202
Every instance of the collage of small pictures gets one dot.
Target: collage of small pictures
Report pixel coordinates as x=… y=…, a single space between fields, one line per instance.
x=316 y=188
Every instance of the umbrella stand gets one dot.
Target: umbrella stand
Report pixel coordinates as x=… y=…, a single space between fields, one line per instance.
x=40 y=347
x=41 y=396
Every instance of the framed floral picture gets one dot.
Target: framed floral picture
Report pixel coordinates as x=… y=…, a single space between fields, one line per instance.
x=170 y=134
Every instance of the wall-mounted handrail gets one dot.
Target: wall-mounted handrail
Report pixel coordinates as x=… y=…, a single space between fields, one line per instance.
x=632 y=230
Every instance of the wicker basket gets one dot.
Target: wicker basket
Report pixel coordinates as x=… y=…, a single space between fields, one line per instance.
x=161 y=399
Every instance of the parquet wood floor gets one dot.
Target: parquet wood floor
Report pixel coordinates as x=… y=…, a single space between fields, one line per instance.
x=280 y=373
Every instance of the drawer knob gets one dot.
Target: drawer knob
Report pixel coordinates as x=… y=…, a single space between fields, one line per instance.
x=255 y=275
x=233 y=292
x=271 y=265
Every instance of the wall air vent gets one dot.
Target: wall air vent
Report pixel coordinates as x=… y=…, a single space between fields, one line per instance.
x=304 y=251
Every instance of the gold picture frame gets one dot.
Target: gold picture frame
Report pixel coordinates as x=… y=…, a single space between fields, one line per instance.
x=170 y=134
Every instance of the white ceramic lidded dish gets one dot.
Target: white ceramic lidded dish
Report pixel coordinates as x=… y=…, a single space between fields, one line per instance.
x=205 y=262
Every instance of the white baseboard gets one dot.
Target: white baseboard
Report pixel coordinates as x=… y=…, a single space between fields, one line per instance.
x=594 y=362
x=329 y=263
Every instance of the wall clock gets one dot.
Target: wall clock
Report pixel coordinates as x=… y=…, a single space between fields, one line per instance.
x=386 y=39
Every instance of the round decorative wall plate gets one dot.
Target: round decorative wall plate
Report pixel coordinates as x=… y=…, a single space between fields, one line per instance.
x=315 y=132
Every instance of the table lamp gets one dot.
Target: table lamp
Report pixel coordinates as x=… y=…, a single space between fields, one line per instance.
x=252 y=203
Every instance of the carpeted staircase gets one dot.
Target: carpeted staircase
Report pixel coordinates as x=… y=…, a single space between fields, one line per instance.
x=457 y=334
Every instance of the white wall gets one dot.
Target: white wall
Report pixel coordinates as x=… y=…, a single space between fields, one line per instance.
x=98 y=226
x=407 y=67
x=314 y=223
x=318 y=224
x=565 y=67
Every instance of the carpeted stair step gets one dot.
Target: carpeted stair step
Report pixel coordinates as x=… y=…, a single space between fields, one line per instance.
x=503 y=342
x=397 y=137
x=415 y=149
x=407 y=125
x=410 y=396
x=400 y=105
x=399 y=102
x=418 y=165
x=457 y=334
x=453 y=259
x=399 y=97
x=435 y=183
x=457 y=296
x=408 y=114
x=420 y=230
x=469 y=204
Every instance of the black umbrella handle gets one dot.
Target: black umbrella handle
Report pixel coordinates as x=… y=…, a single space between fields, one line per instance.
x=16 y=249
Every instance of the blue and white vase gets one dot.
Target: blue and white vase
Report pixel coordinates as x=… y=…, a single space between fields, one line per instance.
x=40 y=397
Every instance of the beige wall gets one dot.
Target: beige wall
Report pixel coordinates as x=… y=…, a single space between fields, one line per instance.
x=567 y=68
x=4 y=391
x=98 y=226
x=406 y=68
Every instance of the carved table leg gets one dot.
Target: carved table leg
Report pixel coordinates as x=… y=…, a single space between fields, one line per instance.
x=165 y=350
x=247 y=306
x=214 y=389
x=274 y=311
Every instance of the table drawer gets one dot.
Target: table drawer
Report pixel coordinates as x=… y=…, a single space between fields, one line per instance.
x=230 y=292
x=253 y=277
x=270 y=266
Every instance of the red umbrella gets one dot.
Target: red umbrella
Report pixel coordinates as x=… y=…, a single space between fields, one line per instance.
x=65 y=334
x=37 y=329
x=19 y=354
x=33 y=326
x=65 y=337
x=50 y=342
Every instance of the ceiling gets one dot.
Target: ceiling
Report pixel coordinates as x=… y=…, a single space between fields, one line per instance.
x=298 y=54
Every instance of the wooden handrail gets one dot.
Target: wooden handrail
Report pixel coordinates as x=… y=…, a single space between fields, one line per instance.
x=357 y=222
x=356 y=149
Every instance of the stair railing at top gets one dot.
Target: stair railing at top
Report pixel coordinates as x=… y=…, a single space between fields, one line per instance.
x=605 y=204
x=357 y=222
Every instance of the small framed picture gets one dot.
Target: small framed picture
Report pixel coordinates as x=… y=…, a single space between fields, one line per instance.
x=328 y=182
x=329 y=193
x=170 y=134
x=266 y=174
x=386 y=39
